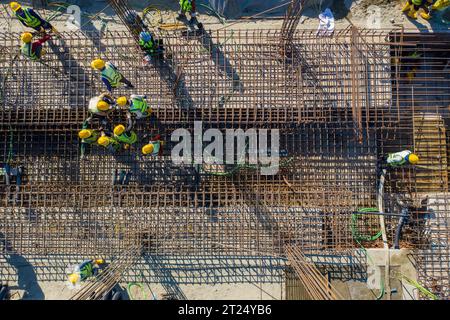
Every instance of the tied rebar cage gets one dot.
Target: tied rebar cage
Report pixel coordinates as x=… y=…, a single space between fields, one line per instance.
x=340 y=103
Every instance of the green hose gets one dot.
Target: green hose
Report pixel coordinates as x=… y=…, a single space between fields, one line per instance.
x=358 y=238
x=140 y=286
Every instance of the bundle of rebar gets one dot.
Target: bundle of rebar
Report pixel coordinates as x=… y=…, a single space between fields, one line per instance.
x=317 y=285
x=129 y=17
x=291 y=20
x=109 y=277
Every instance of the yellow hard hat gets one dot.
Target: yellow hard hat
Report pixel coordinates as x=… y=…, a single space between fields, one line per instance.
x=103 y=141
x=98 y=64
x=148 y=148
x=413 y=159
x=103 y=105
x=74 y=277
x=118 y=130
x=26 y=37
x=84 y=134
x=122 y=101
x=15 y=6
x=99 y=261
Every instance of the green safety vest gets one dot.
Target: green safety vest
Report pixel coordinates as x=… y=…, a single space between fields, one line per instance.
x=92 y=139
x=156 y=147
x=112 y=75
x=29 y=20
x=127 y=137
x=86 y=269
x=186 y=5
x=27 y=51
x=417 y=2
x=392 y=158
x=148 y=46
x=139 y=105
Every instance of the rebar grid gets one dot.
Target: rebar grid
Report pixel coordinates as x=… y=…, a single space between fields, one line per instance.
x=340 y=105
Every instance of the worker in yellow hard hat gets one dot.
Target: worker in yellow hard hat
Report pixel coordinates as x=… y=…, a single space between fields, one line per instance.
x=88 y=137
x=85 y=270
x=413 y=6
x=154 y=147
x=110 y=143
x=29 y=18
x=402 y=158
x=111 y=77
x=32 y=49
x=100 y=107
x=137 y=105
x=125 y=135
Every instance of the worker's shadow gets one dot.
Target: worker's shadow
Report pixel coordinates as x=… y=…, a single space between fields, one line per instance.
x=92 y=33
x=74 y=73
x=222 y=62
x=164 y=277
x=26 y=276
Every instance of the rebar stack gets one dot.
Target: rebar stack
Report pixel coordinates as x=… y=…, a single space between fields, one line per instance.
x=361 y=104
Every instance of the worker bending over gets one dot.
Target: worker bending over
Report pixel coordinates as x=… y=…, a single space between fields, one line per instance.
x=401 y=158
x=414 y=5
x=125 y=135
x=150 y=46
x=29 y=18
x=154 y=147
x=101 y=106
x=88 y=137
x=110 y=143
x=33 y=49
x=83 y=271
x=137 y=105
x=111 y=77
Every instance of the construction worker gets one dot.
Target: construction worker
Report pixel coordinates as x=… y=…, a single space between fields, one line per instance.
x=137 y=105
x=440 y=5
x=401 y=158
x=83 y=271
x=188 y=6
x=413 y=6
x=88 y=137
x=149 y=45
x=110 y=75
x=110 y=143
x=125 y=135
x=32 y=49
x=29 y=18
x=154 y=147
x=100 y=106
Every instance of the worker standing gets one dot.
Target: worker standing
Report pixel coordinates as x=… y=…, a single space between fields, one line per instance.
x=137 y=105
x=188 y=6
x=83 y=271
x=29 y=18
x=401 y=158
x=33 y=49
x=154 y=147
x=413 y=6
x=111 y=77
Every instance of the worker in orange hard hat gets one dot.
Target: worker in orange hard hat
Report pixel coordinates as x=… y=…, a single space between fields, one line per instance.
x=29 y=18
